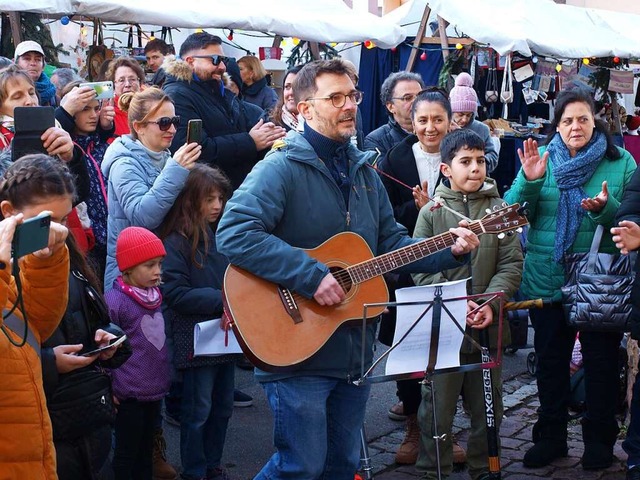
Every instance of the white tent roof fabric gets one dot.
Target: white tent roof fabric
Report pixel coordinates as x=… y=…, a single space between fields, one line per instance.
x=317 y=20
x=529 y=26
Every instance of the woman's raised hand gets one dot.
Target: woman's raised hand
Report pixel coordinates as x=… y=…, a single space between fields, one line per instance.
x=57 y=238
x=187 y=155
x=7 y=229
x=532 y=165
x=598 y=202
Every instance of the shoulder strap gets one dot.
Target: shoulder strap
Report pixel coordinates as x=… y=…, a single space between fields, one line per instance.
x=16 y=324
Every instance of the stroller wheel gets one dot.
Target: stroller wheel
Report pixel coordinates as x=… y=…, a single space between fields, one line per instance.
x=532 y=362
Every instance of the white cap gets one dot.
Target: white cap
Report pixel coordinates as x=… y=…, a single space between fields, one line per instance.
x=27 y=46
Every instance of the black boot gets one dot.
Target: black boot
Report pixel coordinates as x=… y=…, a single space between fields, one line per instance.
x=599 y=440
x=550 y=442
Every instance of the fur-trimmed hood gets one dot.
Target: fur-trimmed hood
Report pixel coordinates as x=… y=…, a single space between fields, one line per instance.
x=177 y=68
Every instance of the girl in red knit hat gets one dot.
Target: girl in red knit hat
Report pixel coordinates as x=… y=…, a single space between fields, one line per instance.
x=143 y=381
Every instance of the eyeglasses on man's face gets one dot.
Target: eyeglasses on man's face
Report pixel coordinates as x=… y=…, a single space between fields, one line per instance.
x=215 y=59
x=164 y=123
x=338 y=100
x=128 y=80
x=407 y=98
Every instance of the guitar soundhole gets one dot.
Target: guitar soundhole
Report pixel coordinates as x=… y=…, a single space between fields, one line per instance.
x=342 y=277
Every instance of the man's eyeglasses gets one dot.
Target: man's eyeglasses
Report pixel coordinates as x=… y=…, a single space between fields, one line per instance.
x=164 y=123
x=338 y=100
x=215 y=59
x=407 y=98
x=129 y=80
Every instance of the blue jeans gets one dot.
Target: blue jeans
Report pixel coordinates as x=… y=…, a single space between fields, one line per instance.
x=317 y=422
x=207 y=404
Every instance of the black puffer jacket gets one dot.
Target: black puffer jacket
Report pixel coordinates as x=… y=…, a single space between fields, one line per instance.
x=385 y=138
x=226 y=120
x=79 y=325
x=630 y=210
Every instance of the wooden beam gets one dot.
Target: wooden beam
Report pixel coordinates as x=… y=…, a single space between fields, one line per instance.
x=419 y=35
x=315 y=50
x=277 y=40
x=389 y=5
x=16 y=31
x=442 y=31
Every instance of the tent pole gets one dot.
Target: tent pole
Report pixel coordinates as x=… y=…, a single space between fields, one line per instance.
x=277 y=40
x=14 y=21
x=418 y=39
x=444 y=40
x=315 y=50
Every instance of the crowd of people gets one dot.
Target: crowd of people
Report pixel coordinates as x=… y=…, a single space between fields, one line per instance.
x=144 y=225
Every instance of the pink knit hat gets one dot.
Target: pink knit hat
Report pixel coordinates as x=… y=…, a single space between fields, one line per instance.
x=463 y=97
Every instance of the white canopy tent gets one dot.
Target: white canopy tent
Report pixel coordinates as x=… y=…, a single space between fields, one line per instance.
x=528 y=26
x=318 y=20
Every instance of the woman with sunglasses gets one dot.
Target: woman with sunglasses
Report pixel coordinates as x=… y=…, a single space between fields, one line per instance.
x=143 y=178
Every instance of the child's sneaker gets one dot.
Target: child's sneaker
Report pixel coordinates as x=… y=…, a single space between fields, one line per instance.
x=241 y=399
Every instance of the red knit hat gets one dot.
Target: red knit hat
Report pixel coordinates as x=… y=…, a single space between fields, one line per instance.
x=136 y=245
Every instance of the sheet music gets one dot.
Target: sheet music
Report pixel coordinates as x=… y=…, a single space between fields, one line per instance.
x=412 y=354
x=209 y=339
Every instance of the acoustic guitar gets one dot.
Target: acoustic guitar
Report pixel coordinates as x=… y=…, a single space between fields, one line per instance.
x=278 y=329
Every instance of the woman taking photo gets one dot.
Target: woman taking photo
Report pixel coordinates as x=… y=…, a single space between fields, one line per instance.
x=572 y=184
x=143 y=178
x=255 y=89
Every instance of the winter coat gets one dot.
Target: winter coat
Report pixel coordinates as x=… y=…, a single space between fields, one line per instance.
x=400 y=163
x=192 y=294
x=630 y=210
x=384 y=138
x=26 y=441
x=496 y=265
x=260 y=94
x=226 y=121
x=542 y=276
x=146 y=375
x=490 y=152
x=140 y=193
x=291 y=202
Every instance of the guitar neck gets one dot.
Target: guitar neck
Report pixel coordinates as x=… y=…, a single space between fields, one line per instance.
x=361 y=272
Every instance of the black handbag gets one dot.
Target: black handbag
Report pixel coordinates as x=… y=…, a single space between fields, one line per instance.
x=597 y=291
x=82 y=403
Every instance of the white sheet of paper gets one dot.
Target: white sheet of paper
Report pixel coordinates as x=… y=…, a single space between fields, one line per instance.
x=208 y=339
x=412 y=354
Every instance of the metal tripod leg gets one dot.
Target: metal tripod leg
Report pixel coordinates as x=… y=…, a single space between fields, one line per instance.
x=436 y=438
x=365 y=459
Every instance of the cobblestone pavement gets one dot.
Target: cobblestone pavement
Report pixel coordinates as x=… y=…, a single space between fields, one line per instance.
x=520 y=403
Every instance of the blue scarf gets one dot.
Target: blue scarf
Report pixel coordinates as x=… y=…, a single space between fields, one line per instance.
x=46 y=90
x=571 y=173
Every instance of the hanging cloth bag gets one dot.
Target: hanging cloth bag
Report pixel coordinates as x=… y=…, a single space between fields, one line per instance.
x=492 y=95
x=506 y=95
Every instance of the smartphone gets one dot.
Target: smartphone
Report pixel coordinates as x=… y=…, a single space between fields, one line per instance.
x=114 y=342
x=31 y=235
x=30 y=123
x=104 y=90
x=194 y=131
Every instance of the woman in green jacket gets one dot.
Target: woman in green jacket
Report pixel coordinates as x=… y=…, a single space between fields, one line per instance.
x=572 y=185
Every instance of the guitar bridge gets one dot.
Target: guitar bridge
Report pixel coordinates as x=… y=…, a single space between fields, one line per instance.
x=289 y=303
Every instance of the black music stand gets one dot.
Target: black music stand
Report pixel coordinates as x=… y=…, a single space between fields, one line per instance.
x=438 y=304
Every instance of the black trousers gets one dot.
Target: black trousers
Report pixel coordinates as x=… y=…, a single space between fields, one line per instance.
x=135 y=428
x=553 y=342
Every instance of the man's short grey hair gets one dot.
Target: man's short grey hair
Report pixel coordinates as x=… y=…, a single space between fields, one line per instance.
x=66 y=76
x=386 y=90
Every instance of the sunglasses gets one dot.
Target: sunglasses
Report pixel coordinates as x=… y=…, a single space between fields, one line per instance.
x=164 y=123
x=215 y=59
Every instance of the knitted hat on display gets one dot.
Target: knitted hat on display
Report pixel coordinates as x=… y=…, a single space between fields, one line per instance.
x=137 y=245
x=463 y=97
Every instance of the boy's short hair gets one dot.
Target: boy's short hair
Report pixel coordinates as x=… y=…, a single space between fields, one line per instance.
x=158 y=45
x=453 y=142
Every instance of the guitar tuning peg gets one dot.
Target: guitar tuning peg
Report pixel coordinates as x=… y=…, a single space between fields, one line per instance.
x=504 y=204
x=524 y=210
x=488 y=210
x=519 y=230
x=501 y=236
x=510 y=233
x=496 y=208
